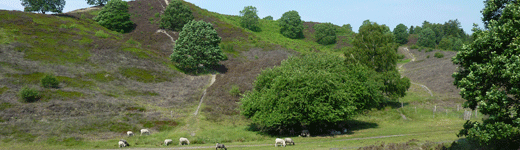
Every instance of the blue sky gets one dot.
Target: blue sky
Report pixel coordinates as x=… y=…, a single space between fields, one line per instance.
x=339 y=12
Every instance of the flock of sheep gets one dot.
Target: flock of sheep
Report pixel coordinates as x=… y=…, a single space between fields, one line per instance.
x=182 y=140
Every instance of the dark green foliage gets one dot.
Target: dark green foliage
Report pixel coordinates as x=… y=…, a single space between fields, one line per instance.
x=313 y=90
x=291 y=25
x=414 y=47
x=445 y=44
x=438 y=55
x=411 y=31
x=426 y=38
x=43 y=5
x=457 y=45
x=49 y=81
x=97 y=2
x=325 y=33
x=488 y=79
x=175 y=16
x=28 y=95
x=114 y=16
x=198 y=44
x=348 y=27
x=493 y=10
x=249 y=18
x=401 y=34
x=268 y=18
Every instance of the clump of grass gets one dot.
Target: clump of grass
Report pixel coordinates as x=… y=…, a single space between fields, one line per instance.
x=5 y=105
x=157 y=15
x=438 y=55
x=429 y=50
x=235 y=91
x=3 y=89
x=414 y=47
x=400 y=56
x=29 y=95
x=49 y=81
x=102 y=34
x=428 y=56
x=101 y=76
x=72 y=26
x=146 y=76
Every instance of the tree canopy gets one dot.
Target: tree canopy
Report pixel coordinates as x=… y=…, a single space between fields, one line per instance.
x=488 y=78
x=268 y=18
x=97 y=2
x=249 y=18
x=198 y=44
x=291 y=25
x=493 y=9
x=401 y=34
x=426 y=38
x=114 y=16
x=325 y=33
x=43 y=5
x=314 y=91
x=175 y=16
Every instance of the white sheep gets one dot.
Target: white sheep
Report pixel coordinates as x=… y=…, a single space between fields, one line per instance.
x=145 y=131
x=221 y=146
x=305 y=133
x=184 y=140
x=168 y=142
x=130 y=133
x=289 y=140
x=123 y=143
x=279 y=141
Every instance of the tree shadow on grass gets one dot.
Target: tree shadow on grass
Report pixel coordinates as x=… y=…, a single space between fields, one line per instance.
x=316 y=130
x=393 y=104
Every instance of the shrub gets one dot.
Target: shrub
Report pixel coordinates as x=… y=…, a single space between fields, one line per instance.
x=235 y=91
x=438 y=55
x=428 y=56
x=249 y=18
x=429 y=50
x=175 y=16
x=325 y=33
x=49 y=81
x=114 y=16
x=291 y=25
x=29 y=94
x=102 y=34
x=414 y=47
x=400 y=56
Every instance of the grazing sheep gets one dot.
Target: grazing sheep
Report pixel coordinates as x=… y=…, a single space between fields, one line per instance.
x=168 y=142
x=345 y=130
x=123 y=143
x=130 y=133
x=145 y=131
x=221 y=146
x=184 y=140
x=334 y=132
x=305 y=133
x=279 y=141
x=289 y=140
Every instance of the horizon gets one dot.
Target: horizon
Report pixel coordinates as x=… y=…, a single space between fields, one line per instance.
x=388 y=12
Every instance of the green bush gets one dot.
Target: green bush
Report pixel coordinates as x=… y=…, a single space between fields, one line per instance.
x=175 y=16
x=29 y=94
x=428 y=56
x=429 y=50
x=235 y=91
x=400 y=56
x=291 y=25
x=325 y=33
x=414 y=47
x=249 y=18
x=102 y=34
x=49 y=81
x=438 y=55
x=114 y=16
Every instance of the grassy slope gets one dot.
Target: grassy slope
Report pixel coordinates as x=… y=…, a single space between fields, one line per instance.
x=112 y=83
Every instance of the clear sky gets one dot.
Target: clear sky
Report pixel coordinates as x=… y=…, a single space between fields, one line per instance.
x=339 y=12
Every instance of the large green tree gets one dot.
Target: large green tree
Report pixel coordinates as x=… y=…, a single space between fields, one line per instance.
x=426 y=38
x=198 y=44
x=97 y=2
x=375 y=48
x=43 y=5
x=489 y=80
x=249 y=18
x=114 y=16
x=325 y=33
x=315 y=90
x=175 y=16
x=493 y=9
x=401 y=34
x=291 y=25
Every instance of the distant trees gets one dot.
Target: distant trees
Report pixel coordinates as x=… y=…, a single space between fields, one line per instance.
x=114 y=16
x=175 y=16
x=315 y=90
x=43 y=5
x=268 y=18
x=426 y=38
x=198 y=44
x=401 y=34
x=249 y=18
x=348 y=27
x=325 y=33
x=411 y=30
x=97 y=2
x=291 y=25
x=488 y=77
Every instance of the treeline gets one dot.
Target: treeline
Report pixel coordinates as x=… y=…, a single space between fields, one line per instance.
x=447 y=36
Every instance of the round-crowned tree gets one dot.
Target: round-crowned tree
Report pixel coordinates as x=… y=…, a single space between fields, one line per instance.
x=198 y=44
x=97 y=2
x=44 y=5
x=291 y=25
x=114 y=16
x=426 y=38
x=268 y=18
x=175 y=16
x=249 y=18
x=314 y=91
x=401 y=34
x=325 y=33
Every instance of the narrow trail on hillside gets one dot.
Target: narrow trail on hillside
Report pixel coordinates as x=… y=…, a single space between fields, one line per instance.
x=412 y=60
x=213 y=79
x=163 y=31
